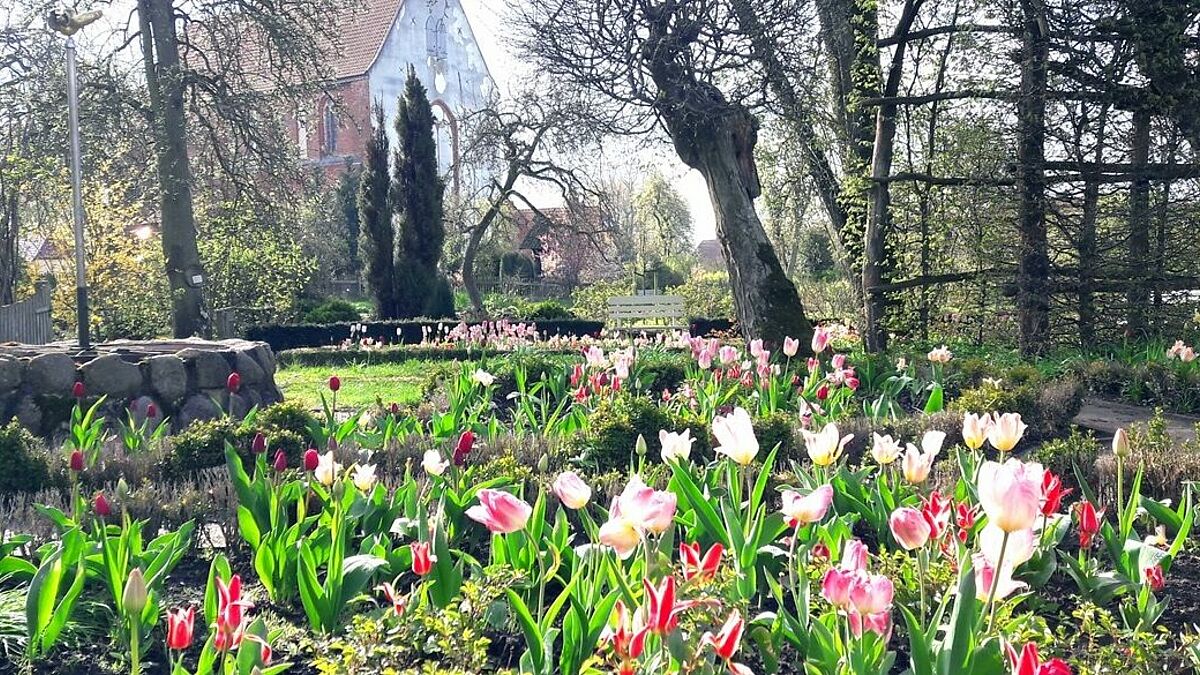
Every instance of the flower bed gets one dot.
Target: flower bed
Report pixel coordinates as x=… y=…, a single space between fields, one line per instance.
x=762 y=513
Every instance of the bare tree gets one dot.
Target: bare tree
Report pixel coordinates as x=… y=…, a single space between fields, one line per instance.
x=679 y=66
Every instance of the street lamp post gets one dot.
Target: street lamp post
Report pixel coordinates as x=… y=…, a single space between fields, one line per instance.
x=68 y=23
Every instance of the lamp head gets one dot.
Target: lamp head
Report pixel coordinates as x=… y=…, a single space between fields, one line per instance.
x=66 y=21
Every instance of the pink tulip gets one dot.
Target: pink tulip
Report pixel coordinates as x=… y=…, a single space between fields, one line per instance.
x=820 y=339
x=422 y=558
x=727 y=354
x=835 y=587
x=985 y=576
x=854 y=556
x=909 y=528
x=280 y=461
x=571 y=490
x=880 y=624
x=801 y=510
x=1011 y=493
x=180 y=625
x=870 y=593
x=648 y=509
x=622 y=535
x=790 y=346
x=500 y=512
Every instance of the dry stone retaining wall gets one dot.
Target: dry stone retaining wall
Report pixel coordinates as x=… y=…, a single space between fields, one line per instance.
x=185 y=380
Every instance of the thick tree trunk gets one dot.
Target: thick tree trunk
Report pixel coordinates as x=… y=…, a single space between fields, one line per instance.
x=766 y=301
x=1138 y=297
x=799 y=116
x=1033 y=266
x=164 y=83
x=10 y=232
x=717 y=138
x=879 y=197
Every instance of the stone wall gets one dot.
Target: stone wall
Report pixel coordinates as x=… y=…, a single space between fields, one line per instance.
x=179 y=380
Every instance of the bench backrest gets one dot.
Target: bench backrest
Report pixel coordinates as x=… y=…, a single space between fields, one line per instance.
x=646 y=307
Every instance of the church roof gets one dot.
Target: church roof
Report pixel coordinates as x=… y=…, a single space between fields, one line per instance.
x=363 y=36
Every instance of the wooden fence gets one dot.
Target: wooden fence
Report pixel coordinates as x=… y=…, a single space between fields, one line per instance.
x=28 y=321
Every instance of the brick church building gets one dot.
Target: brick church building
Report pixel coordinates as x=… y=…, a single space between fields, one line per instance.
x=378 y=45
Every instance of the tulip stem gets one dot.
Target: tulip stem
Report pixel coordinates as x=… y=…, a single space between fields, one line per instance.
x=922 y=570
x=990 y=607
x=134 y=648
x=1120 y=486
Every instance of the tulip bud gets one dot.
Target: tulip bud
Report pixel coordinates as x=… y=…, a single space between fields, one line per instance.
x=335 y=383
x=259 y=445
x=311 y=459
x=543 y=463
x=101 y=506
x=640 y=446
x=395 y=408
x=151 y=410
x=76 y=461
x=122 y=489
x=134 y=597
x=77 y=390
x=1120 y=443
x=280 y=461
x=233 y=383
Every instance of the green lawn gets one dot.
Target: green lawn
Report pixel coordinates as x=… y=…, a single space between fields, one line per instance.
x=361 y=384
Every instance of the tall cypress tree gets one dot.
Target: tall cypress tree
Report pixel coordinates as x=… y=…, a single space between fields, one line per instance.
x=375 y=220
x=417 y=198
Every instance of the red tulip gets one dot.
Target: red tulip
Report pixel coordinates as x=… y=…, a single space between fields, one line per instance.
x=395 y=409
x=695 y=565
x=1089 y=523
x=335 y=383
x=936 y=509
x=264 y=648
x=627 y=643
x=151 y=410
x=311 y=459
x=820 y=551
x=230 y=626
x=466 y=441
x=100 y=506
x=1154 y=578
x=822 y=392
x=398 y=601
x=77 y=390
x=663 y=612
x=259 y=445
x=280 y=461
x=76 y=461
x=180 y=625
x=725 y=643
x=1052 y=493
x=1029 y=663
x=964 y=518
x=234 y=382
x=852 y=382
x=422 y=559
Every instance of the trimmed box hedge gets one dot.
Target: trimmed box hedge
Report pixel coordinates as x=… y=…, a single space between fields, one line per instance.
x=299 y=336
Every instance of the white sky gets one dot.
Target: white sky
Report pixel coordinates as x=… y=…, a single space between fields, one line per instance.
x=487 y=20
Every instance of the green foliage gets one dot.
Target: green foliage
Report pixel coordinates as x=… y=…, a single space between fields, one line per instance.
x=1061 y=455
x=416 y=194
x=451 y=638
x=25 y=461
x=202 y=445
x=814 y=253
x=547 y=310
x=252 y=259
x=614 y=428
x=378 y=239
x=333 y=310
x=707 y=295
x=591 y=302
x=439 y=300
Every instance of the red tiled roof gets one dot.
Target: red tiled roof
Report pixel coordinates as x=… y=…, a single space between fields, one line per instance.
x=362 y=36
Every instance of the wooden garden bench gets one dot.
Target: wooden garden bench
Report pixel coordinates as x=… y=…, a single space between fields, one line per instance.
x=647 y=312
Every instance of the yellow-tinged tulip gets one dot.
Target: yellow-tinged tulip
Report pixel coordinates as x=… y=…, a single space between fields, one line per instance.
x=885 y=450
x=364 y=477
x=1011 y=493
x=825 y=447
x=735 y=433
x=327 y=469
x=1120 y=443
x=975 y=430
x=1005 y=431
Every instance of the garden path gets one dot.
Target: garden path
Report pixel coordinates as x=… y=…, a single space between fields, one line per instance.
x=1105 y=417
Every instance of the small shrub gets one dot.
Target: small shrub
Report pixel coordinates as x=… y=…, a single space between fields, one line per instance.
x=612 y=434
x=202 y=445
x=1061 y=455
x=26 y=463
x=548 y=310
x=333 y=310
